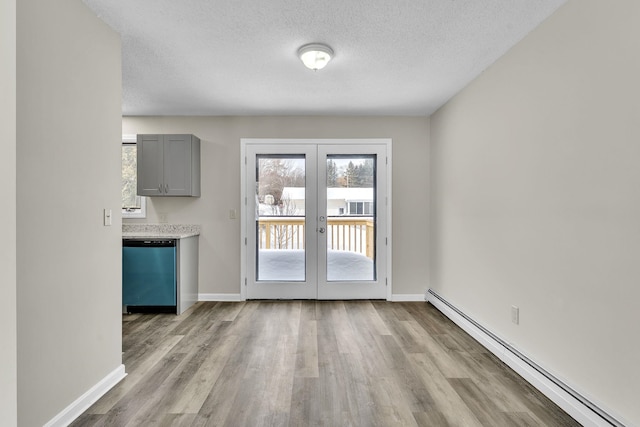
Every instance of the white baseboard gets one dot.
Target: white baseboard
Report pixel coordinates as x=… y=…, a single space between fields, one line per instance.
x=407 y=297
x=81 y=404
x=582 y=410
x=219 y=297
x=238 y=297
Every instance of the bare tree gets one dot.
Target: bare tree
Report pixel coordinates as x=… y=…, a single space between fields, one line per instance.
x=274 y=174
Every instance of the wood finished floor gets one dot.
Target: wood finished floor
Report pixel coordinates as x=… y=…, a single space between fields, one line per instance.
x=313 y=363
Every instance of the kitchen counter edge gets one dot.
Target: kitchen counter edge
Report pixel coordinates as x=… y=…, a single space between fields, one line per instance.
x=143 y=235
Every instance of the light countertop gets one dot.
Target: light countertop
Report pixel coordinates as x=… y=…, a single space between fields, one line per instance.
x=159 y=231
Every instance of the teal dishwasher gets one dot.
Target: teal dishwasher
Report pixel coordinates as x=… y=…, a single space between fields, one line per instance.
x=148 y=274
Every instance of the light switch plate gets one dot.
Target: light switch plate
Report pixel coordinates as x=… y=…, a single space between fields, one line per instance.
x=107 y=217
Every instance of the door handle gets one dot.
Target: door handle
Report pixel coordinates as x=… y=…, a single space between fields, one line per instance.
x=321 y=229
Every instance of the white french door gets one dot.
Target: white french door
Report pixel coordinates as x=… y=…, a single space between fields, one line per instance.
x=316 y=219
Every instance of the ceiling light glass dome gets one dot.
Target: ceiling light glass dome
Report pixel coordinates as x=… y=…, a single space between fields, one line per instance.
x=315 y=56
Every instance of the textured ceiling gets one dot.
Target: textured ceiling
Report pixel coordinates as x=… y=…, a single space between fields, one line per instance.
x=238 y=57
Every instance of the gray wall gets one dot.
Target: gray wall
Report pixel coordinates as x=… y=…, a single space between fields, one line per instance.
x=68 y=162
x=536 y=199
x=8 y=349
x=220 y=239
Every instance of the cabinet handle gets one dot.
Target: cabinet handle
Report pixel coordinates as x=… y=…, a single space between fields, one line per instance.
x=160 y=188
x=166 y=188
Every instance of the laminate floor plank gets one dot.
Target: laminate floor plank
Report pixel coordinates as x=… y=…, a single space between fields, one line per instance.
x=278 y=384
x=432 y=319
x=229 y=310
x=198 y=388
x=306 y=364
x=521 y=419
x=450 y=342
x=229 y=402
x=412 y=337
x=171 y=390
x=308 y=311
x=443 y=358
x=135 y=323
x=313 y=363
x=332 y=391
x=389 y=410
x=430 y=419
x=198 y=315
x=423 y=314
x=367 y=316
x=177 y=420
x=358 y=390
x=141 y=373
x=448 y=402
x=366 y=327
x=129 y=405
x=412 y=387
x=144 y=332
x=305 y=409
x=488 y=384
x=217 y=405
x=538 y=405
x=89 y=420
x=343 y=330
x=483 y=408
x=242 y=324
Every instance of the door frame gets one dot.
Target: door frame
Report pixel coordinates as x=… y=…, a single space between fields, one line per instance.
x=386 y=204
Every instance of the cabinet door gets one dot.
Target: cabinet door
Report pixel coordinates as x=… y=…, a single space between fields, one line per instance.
x=177 y=165
x=150 y=165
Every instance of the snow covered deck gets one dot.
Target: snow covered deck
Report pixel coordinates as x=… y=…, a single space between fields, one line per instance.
x=288 y=265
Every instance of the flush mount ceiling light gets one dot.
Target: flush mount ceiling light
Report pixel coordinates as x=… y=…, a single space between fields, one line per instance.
x=315 y=55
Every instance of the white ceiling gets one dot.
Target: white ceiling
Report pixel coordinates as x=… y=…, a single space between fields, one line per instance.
x=238 y=57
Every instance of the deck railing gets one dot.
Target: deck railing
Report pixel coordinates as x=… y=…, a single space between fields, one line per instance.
x=353 y=234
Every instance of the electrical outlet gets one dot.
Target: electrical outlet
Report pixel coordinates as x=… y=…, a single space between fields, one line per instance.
x=233 y=214
x=515 y=315
x=163 y=218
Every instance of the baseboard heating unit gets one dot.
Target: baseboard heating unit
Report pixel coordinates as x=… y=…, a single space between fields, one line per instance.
x=579 y=407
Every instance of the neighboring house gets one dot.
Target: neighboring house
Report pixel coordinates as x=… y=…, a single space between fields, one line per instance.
x=340 y=201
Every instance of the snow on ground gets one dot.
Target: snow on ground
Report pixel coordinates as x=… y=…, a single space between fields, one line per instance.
x=288 y=265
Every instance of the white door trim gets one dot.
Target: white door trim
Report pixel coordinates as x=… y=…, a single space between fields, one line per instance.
x=337 y=141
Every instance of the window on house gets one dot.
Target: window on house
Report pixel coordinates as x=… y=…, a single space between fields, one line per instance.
x=360 y=208
x=133 y=206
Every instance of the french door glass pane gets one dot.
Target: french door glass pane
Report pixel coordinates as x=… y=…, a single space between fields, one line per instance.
x=351 y=218
x=280 y=218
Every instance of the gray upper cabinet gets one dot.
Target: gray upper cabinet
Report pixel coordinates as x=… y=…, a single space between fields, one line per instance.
x=168 y=165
